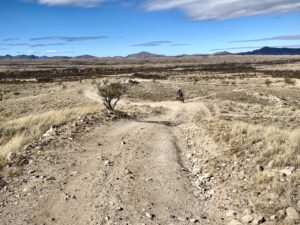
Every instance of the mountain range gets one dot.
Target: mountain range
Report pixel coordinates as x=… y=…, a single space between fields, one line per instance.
x=145 y=55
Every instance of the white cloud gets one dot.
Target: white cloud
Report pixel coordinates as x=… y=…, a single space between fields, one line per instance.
x=224 y=9
x=49 y=52
x=77 y=3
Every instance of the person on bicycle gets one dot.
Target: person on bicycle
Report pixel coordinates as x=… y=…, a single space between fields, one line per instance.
x=180 y=95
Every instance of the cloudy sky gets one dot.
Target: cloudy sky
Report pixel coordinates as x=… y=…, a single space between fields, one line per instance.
x=121 y=27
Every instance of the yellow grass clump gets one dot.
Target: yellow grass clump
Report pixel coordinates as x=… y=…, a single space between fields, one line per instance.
x=21 y=131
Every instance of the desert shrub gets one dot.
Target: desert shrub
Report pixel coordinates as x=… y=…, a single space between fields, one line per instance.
x=289 y=81
x=268 y=82
x=133 y=82
x=111 y=93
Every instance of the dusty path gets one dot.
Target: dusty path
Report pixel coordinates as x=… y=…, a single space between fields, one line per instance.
x=126 y=172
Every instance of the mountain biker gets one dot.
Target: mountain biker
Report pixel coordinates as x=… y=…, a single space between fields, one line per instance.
x=180 y=95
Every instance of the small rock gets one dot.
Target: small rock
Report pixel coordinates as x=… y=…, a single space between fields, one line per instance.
x=247 y=212
x=108 y=163
x=231 y=213
x=193 y=220
x=247 y=219
x=31 y=172
x=287 y=171
x=260 y=168
x=242 y=175
x=119 y=208
x=273 y=217
x=258 y=220
x=150 y=215
x=292 y=214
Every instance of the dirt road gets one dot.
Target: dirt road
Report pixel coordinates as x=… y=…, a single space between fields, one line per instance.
x=125 y=172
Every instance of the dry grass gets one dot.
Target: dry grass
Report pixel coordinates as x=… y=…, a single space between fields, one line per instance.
x=270 y=149
x=18 y=132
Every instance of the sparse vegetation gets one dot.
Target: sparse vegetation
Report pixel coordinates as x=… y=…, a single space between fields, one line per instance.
x=235 y=126
x=271 y=151
x=18 y=132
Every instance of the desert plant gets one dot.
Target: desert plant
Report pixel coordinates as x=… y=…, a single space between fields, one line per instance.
x=268 y=82
x=111 y=93
x=288 y=80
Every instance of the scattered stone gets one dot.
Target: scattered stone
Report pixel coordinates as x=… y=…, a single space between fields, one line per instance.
x=150 y=215
x=50 y=178
x=31 y=172
x=119 y=208
x=258 y=220
x=193 y=220
x=260 y=168
x=108 y=163
x=273 y=217
x=242 y=175
x=292 y=214
x=247 y=211
x=231 y=213
x=247 y=219
x=287 y=171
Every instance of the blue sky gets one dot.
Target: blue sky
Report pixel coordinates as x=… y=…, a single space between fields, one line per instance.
x=170 y=27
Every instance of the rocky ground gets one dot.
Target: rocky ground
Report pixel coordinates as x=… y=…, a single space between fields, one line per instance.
x=161 y=163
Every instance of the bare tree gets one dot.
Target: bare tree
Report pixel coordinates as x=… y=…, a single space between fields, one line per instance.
x=111 y=93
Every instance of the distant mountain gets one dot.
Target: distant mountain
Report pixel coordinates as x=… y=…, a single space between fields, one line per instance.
x=187 y=55
x=144 y=55
x=23 y=57
x=223 y=53
x=19 y=57
x=85 y=57
x=147 y=55
x=273 y=51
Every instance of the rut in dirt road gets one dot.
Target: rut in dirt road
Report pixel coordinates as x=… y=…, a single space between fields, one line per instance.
x=143 y=181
